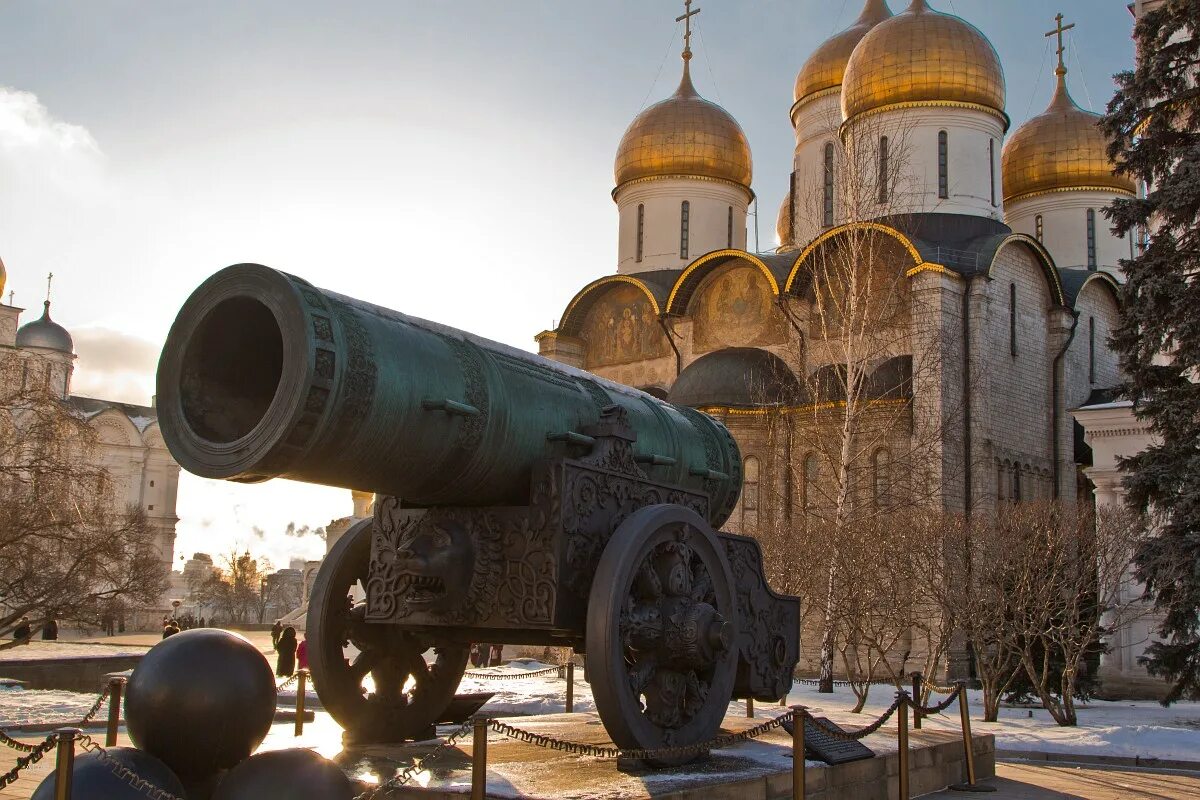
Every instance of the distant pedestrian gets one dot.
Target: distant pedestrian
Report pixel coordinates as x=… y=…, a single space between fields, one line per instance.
x=496 y=656
x=477 y=655
x=50 y=630
x=202 y=622
x=22 y=633
x=276 y=632
x=302 y=654
x=285 y=665
x=170 y=629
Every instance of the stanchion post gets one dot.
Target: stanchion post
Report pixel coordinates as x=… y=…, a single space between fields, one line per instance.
x=301 y=680
x=479 y=759
x=799 y=713
x=916 y=694
x=749 y=708
x=64 y=767
x=115 y=686
x=968 y=749
x=570 y=686
x=902 y=744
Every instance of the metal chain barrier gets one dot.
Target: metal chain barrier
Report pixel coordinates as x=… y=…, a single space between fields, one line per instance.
x=419 y=766
x=865 y=731
x=926 y=711
x=598 y=751
x=511 y=676
x=34 y=755
x=281 y=686
x=23 y=747
x=95 y=709
x=123 y=772
x=933 y=687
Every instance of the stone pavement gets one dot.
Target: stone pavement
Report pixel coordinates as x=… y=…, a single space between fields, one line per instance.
x=1049 y=781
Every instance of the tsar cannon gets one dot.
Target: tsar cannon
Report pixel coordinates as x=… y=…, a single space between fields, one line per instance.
x=518 y=500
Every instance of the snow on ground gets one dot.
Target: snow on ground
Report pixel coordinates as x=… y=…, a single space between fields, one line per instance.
x=39 y=649
x=1109 y=728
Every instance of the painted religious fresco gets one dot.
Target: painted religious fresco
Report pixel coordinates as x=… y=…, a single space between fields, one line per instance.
x=733 y=308
x=621 y=328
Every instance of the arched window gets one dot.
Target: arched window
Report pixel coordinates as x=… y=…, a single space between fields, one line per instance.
x=1012 y=319
x=641 y=229
x=812 y=475
x=1015 y=495
x=943 y=165
x=827 y=190
x=729 y=229
x=684 y=211
x=992 y=168
x=1037 y=227
x=1091 y=349
x=750 y=469
x=1091 y=239
x=883 y=169
x=881 y=467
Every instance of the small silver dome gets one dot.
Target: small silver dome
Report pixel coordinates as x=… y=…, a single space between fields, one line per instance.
x=45 y=333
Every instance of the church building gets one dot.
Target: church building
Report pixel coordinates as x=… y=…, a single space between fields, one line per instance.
x=1000 y=270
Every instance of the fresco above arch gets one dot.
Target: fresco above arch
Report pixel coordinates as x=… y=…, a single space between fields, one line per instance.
x=620 y=328
x=733 y=308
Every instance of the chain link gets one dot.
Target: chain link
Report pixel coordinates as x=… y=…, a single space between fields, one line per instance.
x=123 y=772
x=96 y=706
x=511 y=676
x=936 y=709
x=420 y=765
x=864 y=732
x=598 y=751
x=23 y=747
x=933 y=687
x=281 y=686
x=34 y=755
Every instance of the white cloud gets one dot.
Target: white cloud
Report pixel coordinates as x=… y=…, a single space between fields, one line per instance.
x=113 y=365
x=26 y=125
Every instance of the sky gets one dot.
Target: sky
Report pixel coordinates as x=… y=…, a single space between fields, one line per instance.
x=452 y=160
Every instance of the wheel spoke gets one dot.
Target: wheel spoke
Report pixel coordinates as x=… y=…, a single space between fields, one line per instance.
x=362 y=665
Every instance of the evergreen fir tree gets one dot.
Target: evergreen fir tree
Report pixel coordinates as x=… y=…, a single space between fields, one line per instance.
x=1154 y=126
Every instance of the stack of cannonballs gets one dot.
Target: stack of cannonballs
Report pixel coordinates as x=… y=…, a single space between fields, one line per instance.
x=197 y=706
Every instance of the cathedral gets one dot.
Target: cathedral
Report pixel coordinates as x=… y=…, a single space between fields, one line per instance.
x=130 y=446
x=1000 y=270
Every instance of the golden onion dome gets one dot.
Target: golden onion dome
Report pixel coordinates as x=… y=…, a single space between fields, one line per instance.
x=922 y=57
x=3 y=280
x=1058 y=150
x=825 y=67
x=783 y=225
x=684 y=135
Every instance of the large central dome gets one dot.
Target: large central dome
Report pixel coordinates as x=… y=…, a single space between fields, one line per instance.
x=684 y=135
x=922 y=57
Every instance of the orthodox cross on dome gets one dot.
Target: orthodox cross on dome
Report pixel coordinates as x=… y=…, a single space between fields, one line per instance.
x=49 y=278
x=686 y=19
x=1059 y=30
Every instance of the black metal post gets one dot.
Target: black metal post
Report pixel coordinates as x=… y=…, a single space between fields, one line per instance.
x=570 y=686
x=64 y=766
x=114 y=711
x=916 y=695
x=301 y=680
x=799 y=713
x=479 y=760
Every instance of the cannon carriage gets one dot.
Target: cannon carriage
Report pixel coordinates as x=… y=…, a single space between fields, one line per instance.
x=518 y=500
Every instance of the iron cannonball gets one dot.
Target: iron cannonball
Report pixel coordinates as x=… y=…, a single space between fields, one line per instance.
x=201 y=700
x=93 y=779
x=295 y=774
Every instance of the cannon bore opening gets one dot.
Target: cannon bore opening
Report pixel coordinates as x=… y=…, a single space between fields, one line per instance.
x=231 y=369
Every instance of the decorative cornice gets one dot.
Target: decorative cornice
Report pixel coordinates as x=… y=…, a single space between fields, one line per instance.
x=811 y=97
x=1060 y=190
x=912 y=104
x=649 y=178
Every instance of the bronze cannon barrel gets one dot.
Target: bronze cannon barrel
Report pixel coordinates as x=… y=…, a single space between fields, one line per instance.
x=264 y=375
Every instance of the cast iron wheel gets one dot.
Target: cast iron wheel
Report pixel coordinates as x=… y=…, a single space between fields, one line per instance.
x=661 y=630
x=409 y=694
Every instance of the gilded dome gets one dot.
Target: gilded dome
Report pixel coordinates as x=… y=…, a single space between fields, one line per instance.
x=783 y=225
x=45 y=333
x=824 y=68
x=684 y=135
x=922 y=57
x=1061 y=148
x=3 y=279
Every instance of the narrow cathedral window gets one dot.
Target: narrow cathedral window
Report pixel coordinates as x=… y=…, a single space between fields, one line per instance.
x=684 y=209
x=1037 y=227
x=882 y=467
x=883 y=169
x=943 y=166
x=1012 y=319
x=811 y=475
x=641 y=229
x=992 y=167
x=1091 y=239
x=729 y=229
x=827 y=194
x=1091 y=349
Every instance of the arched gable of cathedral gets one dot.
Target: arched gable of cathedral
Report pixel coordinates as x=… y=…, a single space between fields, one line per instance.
x=731 y=303
x=799 y=278
x=1077 y=282
x=1050 y=273
x=691 y=279
x=114 y=428
x=617 y=319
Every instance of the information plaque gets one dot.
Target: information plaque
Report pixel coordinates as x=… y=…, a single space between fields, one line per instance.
x=820 y=746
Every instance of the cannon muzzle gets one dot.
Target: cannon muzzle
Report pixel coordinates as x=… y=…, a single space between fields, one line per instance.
x=264 y=375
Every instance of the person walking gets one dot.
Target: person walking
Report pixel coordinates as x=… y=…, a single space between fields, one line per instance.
x=276 y=632
x=496 y=655
x=21 y=633
x=302 y=653
x=170 y=629
x=285 y=665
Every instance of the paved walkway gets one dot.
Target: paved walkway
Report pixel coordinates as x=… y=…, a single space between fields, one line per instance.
x=1029 y=781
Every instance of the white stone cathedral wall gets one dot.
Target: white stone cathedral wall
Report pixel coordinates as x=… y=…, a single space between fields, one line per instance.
x=817 y=124
x=1094 y=302
x=708 y=221
x=1064 y=227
